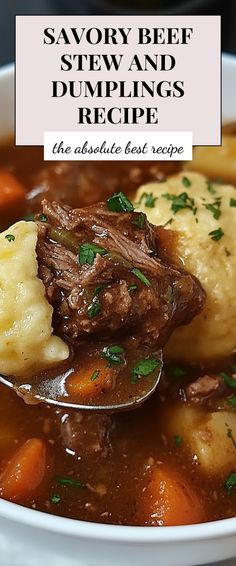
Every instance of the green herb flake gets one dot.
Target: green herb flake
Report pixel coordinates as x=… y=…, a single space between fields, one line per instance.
x=141 y=276
x=140 y=220
x=168 y=222
x=132 y=288
x=99 y=289
x=178 y=440
x=230 y=434
x=94 y=375
x=230 y=381
x=10 y=238
x=43 y=218
x=214 y=208
x=216 y=235
x=55 y=498
x=230 y=483
x=149 y=200
x=29 y=218
x=87 y=253
x=94 y=308
x=232 y=202
x=180 y=202
x=232 y=401
x=119 y=203
x=210 y=188
x=143 y=368
x=168 y=196
x=113 y=354
x=186 y=182
x=176 y=372
x=70 y=482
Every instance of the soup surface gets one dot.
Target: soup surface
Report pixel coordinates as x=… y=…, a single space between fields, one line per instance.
x=172 y=461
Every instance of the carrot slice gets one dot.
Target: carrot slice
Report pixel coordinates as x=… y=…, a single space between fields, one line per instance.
x=11 y=191
x=25 y=471
x=171 y=500
x=91 y=379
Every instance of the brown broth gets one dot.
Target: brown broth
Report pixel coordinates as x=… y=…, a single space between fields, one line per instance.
x=137 y=438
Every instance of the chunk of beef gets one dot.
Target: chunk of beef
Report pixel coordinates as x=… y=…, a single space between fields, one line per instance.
x=86 y=434
x=131 y=285
x=204 y=387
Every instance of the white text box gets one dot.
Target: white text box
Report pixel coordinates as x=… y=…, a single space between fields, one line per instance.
x=160 y=146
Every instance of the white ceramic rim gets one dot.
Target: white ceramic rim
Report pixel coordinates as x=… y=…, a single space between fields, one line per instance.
x=117 y=533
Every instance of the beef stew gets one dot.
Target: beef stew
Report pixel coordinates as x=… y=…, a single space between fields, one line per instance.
x=158 y=465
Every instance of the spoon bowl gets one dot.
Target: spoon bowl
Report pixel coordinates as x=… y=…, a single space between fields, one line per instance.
x=53 y=392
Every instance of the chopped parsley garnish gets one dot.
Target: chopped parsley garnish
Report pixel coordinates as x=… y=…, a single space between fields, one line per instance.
x=144 y=368
x=94 y=308
x=140 y=220
x=94 y=375
x=210 y=188
x=70 y=482
x=119 y=203
x=141 y=276
x=29 y=218
x=168 y=222
x=180 y=202
x=230 y=434
x=87 y=253
x=10 y=238
x=55 y=498
x=178 y=440
x=232 y=202
x=232 y=401
x=132 y=288
x=230 y=381
x=113 y=355
x=99 y=289
x=149 y=200
x=216 y=234
x=230 y=482
x=186 y=182
x=214 y=208
x=43 y=218
x=177 y=372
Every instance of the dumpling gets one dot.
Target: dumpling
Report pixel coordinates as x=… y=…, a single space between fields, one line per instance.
x=27 y=342
x=204 y=216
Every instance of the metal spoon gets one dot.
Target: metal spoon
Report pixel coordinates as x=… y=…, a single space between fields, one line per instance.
x=53 y=392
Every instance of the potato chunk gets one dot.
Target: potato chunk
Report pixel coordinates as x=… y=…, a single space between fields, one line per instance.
x=210 y=436
x=26 y=340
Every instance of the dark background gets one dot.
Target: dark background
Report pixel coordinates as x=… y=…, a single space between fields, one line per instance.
x=8 y=8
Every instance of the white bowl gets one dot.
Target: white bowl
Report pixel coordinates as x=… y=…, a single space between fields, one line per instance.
x=36 y=536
